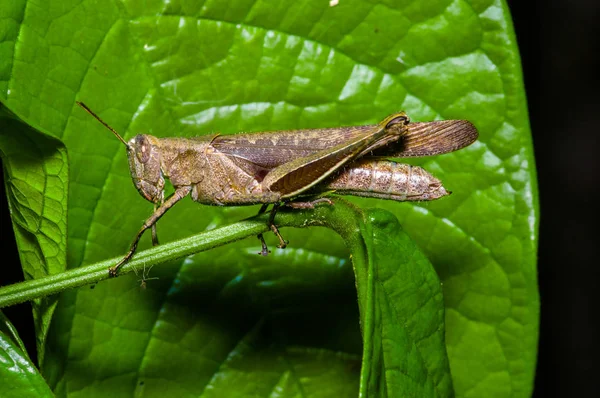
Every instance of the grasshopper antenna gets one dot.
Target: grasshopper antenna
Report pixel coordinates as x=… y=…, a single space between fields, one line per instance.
x=88 y=110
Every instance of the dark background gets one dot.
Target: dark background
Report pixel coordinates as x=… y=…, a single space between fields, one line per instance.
x=559 y=48
x=561 y=62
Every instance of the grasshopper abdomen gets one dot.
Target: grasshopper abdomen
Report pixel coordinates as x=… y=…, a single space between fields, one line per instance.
x=387 y=180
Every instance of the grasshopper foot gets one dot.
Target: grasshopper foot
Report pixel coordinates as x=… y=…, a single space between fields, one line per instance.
x=282 y=242
x=265 y=250
x=114 y=270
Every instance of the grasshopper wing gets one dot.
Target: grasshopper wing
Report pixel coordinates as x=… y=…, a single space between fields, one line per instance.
x=300 y=174
x=431 y=138
x=289 y=162
x=271 y=149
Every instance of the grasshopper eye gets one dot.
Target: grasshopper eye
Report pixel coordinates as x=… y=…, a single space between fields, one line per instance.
x=400 y=119
x=142 y=148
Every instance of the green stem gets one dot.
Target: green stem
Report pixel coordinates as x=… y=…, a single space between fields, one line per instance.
x=52 y=284
x=342 y=217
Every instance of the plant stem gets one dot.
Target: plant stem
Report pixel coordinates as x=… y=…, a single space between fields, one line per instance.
x=52 y=284
x=341 y=217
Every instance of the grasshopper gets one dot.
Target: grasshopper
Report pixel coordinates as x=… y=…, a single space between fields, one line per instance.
x=280 y=166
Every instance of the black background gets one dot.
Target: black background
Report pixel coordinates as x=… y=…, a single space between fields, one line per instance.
x=558 y=44
x=558 y=41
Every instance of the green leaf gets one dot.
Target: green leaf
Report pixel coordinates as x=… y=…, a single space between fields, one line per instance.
x=181 y=69
x=402 y=311
x=19 y=376
x=36 y=178
x=9 y=332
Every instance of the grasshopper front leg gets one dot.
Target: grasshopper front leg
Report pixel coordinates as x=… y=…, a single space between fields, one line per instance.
x=180 y=193
x=154 y=234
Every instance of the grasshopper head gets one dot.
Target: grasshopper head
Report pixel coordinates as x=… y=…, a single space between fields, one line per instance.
x=143 y=152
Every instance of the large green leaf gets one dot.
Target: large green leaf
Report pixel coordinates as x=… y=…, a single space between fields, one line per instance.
x=182 y=69
x=37 y=170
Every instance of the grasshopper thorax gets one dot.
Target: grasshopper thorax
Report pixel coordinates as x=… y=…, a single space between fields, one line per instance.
x=144 y=153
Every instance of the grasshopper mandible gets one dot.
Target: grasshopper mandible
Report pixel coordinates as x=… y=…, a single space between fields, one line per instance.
x=276 y=167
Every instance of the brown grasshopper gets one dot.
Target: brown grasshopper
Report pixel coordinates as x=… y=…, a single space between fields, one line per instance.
x=277 y=167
